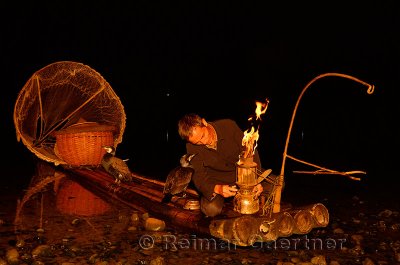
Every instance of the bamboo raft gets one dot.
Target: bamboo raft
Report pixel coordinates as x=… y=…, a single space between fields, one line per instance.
x=145 y=194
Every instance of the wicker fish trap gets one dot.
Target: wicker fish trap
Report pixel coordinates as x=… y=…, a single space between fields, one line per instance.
x=57 y=97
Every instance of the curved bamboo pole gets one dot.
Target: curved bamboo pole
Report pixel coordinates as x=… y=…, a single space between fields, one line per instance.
x=277 y=196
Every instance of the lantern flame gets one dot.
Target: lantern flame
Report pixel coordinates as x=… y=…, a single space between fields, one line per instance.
x=251 y=135
x=261 y=108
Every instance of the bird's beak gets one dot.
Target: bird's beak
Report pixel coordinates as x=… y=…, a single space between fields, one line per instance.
x=191 y=157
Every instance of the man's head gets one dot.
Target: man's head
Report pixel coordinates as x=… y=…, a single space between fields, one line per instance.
x=193 y=129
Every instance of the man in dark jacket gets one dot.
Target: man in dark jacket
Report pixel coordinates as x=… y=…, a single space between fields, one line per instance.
x=218 y=146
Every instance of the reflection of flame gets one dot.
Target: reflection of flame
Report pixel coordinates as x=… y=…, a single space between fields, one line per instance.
x=251 y=135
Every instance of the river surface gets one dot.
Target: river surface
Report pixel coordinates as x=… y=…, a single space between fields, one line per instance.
x=364 y=228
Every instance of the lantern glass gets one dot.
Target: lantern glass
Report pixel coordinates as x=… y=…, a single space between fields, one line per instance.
x=246 y=176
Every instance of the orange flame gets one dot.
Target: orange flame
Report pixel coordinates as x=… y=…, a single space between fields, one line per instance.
x=261 y=108
x=251 y=135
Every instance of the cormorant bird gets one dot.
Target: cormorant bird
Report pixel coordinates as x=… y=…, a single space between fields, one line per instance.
x=178 y=178
x=115 y=166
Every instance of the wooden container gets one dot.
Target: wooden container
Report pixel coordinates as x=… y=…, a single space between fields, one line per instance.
x=74 y=199
x=82 y=144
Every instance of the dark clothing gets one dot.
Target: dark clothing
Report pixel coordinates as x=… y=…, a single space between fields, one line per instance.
x=213 y=207
x=213 y=167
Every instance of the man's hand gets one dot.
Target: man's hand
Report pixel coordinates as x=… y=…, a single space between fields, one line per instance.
x=258 y=189
x=225 y=190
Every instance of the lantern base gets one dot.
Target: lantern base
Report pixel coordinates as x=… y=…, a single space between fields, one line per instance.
x=246 y=202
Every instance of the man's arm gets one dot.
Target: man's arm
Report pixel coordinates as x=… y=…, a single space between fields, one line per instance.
x=225 y=190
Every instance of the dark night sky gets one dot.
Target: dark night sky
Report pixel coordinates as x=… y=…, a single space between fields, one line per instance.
x=166 y=59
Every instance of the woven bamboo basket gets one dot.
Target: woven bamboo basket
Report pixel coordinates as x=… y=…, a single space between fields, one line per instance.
x=82 y=144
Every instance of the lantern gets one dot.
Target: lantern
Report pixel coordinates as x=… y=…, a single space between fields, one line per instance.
x=246 y=201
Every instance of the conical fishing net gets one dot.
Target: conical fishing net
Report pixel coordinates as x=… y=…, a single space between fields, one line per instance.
x=57 y=98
